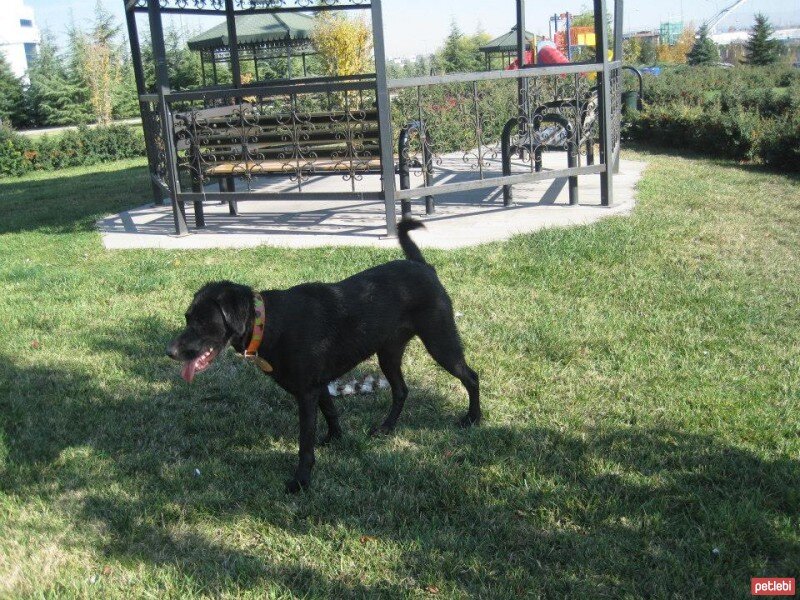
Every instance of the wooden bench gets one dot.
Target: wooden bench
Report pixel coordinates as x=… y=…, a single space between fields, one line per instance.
x=240 y=140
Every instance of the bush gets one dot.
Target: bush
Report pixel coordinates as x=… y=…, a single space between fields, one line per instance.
x=716 y=133
x=13 y=161
x=746 y=113
x=780 y=146
x=73 y=148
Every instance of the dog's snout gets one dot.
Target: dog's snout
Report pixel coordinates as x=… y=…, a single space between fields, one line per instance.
x=172 y=350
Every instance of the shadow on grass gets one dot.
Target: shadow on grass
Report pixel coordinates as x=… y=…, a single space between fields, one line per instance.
x=495 y=511
x=70 y=203
x=656 y=150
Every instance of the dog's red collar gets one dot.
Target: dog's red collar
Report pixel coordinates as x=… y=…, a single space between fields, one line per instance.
x=251 y=352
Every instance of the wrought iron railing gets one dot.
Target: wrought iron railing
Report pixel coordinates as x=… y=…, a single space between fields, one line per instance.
x=541 y=109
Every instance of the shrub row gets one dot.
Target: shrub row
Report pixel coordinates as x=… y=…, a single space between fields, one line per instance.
x=73 y=148
x=736 y=134
x=746 y=113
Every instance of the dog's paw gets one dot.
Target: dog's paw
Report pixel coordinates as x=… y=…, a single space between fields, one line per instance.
x=469 y=420
x=380 y=430
x=295 y=485
x=330 y=437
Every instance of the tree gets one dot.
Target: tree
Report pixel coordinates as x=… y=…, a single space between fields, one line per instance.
x=678 y=51
x=344 y=44
x=760 y=49
x=460 y=52
x=631 y=50
x=58 y=93
x=704 y=51
x=101 y=63
x=11 y=97
x=648 y=55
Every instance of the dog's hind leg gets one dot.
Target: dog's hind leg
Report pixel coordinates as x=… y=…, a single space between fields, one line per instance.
x=331 y=415
x=439 y=335
x=390 y=359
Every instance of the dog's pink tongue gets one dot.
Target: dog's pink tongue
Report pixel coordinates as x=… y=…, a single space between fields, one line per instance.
x=188 y=370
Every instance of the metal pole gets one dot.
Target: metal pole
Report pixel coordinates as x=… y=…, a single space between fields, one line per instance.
x=569 y=37
x=618 y=26
x=384 y=119
x=141 y=88
x=604 y=104
x=233 y=44
x=162 y=87
x=521 y=65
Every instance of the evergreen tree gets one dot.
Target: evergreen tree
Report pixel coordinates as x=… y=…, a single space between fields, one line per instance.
x=125 y=97
x=11 y=97
x=460 y=52
x=704 y=51
x=648 y=55
x=760 y=49
x=56 y=95
x=183 y=65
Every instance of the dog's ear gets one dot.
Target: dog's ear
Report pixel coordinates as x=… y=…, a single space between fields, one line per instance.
x=234 y=302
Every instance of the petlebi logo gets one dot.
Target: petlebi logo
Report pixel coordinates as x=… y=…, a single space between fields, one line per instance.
x=772 y=586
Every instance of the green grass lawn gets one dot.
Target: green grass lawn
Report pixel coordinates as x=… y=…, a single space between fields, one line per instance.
x=640 y=379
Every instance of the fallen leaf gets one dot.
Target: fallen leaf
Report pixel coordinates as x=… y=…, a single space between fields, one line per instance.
x=35 y=344
x=366 y=538
x=432 y=589
x=107 y=570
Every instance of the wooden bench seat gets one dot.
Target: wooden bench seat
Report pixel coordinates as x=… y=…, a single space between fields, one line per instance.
x=279 y=166
x=246 y=140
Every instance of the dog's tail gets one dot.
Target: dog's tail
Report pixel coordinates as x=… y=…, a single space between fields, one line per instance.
x=410 y=249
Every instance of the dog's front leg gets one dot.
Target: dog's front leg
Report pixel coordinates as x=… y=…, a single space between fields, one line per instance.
x=307 y=405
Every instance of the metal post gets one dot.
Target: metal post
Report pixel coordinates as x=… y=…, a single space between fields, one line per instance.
x=604 y=105
x=384 y=119
x=569 y=37
x=288 y=56
x=618 y=27
x=162 y=86
x=233 y=44
x=141 y=88
x=521 y=52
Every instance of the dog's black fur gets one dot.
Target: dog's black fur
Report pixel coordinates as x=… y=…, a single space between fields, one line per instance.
x=316 y=332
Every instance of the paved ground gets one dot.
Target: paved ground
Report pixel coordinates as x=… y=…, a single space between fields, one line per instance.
x=463 y=219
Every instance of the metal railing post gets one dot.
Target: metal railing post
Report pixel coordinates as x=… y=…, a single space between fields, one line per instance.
x=162 y=83
x=604 y=104
x=384 y=120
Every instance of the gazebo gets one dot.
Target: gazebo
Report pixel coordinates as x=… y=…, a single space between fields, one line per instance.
x=355 y=125
x=260 y=37
x=504 y=48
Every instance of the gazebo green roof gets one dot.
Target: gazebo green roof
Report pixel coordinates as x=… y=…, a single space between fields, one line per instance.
x=255 y=29
x=506 y=42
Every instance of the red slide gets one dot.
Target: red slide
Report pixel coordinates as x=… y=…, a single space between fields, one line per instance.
x=550 y=55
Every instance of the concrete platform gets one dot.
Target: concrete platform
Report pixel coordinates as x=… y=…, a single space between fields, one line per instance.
x=462 y=219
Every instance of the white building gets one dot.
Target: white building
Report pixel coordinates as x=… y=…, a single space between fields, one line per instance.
x=19 y=35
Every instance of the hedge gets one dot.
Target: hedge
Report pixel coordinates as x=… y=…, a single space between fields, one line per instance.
x=745 y=113
x=73 y=148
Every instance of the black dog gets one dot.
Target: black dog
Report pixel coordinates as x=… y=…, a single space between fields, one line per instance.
x=316 y=332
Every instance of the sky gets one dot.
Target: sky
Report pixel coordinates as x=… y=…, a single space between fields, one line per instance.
x=419 y=26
